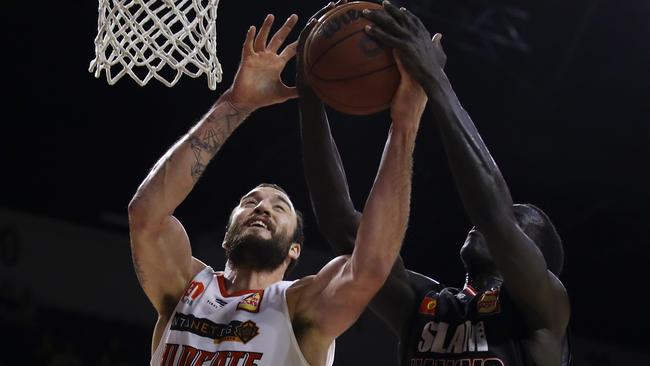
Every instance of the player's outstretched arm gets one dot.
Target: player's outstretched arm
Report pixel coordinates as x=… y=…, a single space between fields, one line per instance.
x=335 y=213
x=160 y=247
x=483 y=190
x=332 y=300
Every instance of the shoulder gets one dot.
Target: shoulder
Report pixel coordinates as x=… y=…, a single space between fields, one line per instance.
x=308 y=287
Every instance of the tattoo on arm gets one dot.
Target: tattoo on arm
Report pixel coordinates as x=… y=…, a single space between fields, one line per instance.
x=211 y=141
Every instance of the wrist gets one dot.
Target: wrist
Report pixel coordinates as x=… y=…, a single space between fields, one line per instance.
x=405 y=132
x=440 y=94
x=239 y=107
x=435 y=85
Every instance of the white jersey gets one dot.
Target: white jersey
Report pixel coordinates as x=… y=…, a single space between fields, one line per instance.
x=213 y=327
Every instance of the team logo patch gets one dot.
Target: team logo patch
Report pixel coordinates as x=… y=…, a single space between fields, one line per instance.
x=428 y=306
x=489 y=303
x=235 y=331
x=251 y=303
x=193 y=291
x=244 y=332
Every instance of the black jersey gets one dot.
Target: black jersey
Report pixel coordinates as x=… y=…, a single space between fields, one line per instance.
x=465 y=328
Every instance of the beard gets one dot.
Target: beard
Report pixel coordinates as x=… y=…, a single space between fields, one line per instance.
x=249 y=251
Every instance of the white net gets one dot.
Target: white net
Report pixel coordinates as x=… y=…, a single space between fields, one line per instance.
x=161 y=39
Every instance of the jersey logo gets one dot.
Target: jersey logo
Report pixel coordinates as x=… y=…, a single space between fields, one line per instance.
x=235 y=331
x=217 y=303
x=251 y=303
x=193 y=291
x=428 y=306
x=243 y=333
x=489 y=303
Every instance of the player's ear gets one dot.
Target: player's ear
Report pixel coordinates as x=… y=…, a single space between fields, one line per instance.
x=294 y=251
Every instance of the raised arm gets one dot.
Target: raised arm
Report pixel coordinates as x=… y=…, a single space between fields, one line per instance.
x=335 y=213
x=485 y=195
x=161 y=250
x=334 y=298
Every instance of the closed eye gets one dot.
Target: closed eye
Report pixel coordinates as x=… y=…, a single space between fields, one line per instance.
x=280 y=208
x=249 y=203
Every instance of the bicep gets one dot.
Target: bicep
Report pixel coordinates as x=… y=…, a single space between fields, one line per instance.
x=336 y=297
x=163 y=262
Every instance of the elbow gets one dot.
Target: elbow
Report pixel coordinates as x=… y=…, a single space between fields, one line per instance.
x=139 y=219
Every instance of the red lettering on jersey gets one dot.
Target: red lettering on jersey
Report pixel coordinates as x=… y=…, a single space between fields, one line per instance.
x=235 y=357
x=252 y=357
x=169 y=355
x=204 y=356
x=492 y=362
x=187 y=356
x=452 y=362
x=221 y=359
x=191 y=356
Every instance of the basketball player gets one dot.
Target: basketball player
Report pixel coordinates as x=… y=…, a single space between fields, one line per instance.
x=512 y=309
x=246 y=315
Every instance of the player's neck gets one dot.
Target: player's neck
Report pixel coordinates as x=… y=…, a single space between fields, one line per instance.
x=483 y=281
x=241 y=279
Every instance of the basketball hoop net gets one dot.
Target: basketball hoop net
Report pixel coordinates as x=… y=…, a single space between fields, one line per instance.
x=161 y=39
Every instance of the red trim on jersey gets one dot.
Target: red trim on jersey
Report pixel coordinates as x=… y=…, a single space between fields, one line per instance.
x=222 y=288
x=470 y=290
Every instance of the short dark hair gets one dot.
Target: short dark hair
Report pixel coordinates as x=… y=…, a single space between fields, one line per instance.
x=538 y=226
x=298 y=234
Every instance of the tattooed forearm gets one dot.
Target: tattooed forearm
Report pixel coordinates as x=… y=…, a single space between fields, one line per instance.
x=207 y=145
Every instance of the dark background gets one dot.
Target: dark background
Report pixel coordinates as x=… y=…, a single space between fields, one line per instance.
x=559 y=91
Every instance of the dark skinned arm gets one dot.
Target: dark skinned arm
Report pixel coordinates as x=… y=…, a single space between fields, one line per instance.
x=536 y=291
x=335 y=213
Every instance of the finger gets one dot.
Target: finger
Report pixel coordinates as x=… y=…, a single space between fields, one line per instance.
x=408 y=15
x=247 y=49
x=281 y=35
x=341 y=2
x=441 y=55
x=382 y=36
x=405 y=78
x=324 y=10
x=385 y=21
x=395 y=12
x=263 y=35
x=289 y=51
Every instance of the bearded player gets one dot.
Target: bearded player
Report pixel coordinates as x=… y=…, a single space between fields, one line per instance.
x=246 y=315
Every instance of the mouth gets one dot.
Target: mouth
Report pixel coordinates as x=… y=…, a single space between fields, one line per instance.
x=259 y=223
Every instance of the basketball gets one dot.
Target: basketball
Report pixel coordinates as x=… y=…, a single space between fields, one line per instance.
x=350 y=71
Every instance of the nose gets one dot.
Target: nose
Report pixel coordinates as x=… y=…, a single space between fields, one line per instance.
x=263 y=208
